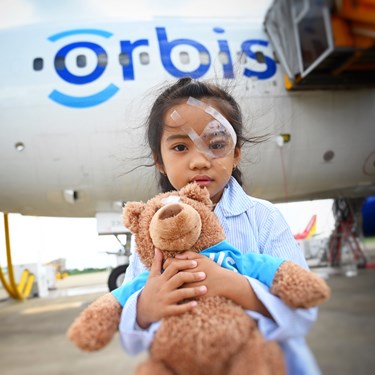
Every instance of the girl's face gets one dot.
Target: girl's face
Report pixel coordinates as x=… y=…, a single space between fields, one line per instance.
x=183 y=162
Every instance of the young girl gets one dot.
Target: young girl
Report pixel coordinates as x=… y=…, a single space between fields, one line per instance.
x=195 y=133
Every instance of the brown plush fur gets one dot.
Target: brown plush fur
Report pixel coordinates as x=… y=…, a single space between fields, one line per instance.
x=298 y=287
x=138 y=215
x=214 y=338
x=217 y=337
x=96 y=325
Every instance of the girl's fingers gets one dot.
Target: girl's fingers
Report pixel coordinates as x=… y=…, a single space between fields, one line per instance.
x=181 y=309
x=176 y=266
x=180 y=295
x=157 y=263
x=188 y=255
x=183 y=277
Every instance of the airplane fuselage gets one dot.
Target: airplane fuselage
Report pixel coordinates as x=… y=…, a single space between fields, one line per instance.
x=75 y=95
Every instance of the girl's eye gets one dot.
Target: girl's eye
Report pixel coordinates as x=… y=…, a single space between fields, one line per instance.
x=218 y=144
x=180 y=148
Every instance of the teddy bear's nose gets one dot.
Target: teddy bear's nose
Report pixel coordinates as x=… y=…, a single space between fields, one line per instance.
x=169 y=211
x=175 y=227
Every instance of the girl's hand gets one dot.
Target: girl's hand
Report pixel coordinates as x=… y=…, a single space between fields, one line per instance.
x=215 y=274
x=221 y=282
x=162 y=295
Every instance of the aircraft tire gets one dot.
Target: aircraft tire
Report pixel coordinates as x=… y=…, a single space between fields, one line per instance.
x=116 y=277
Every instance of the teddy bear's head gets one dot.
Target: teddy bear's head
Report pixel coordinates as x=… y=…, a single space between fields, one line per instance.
x=173 y=222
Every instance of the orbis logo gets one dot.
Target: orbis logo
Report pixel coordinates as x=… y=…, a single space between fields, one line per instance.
x=126 y=53
x=66 y=75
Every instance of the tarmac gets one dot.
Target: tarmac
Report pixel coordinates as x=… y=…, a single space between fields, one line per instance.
x=33 y=332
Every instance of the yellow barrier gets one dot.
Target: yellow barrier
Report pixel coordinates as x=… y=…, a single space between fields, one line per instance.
x=29 y=285
x=23 y=289
x=26 y=283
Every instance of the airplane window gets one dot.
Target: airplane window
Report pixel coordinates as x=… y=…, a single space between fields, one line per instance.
x=59 y=63
x=144 y=58
x=241 y=57
x=124 y=59
x=259 y=56
x=102 y=59
x=81 y=61
x=328 y=155
x=204 y=58
x=223 y=58
x=38 y=63
x=184 y=58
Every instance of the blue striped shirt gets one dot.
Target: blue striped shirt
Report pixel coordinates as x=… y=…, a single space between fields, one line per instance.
x=250 y=225
x=255 y=225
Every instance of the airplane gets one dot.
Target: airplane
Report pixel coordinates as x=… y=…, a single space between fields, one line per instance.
x=309 y=231
x=78 y=77
x=315 y=245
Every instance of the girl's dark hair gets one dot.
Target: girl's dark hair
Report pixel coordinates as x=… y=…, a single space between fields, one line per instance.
x=174 y=94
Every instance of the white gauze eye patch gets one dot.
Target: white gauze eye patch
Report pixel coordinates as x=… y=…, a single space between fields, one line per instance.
x=218 y=138
x=171 y=199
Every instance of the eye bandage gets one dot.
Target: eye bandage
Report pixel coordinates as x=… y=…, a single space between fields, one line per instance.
x=170 y=199
x=218 y=138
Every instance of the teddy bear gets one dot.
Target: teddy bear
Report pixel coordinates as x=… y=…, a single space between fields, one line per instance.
x=217 y=336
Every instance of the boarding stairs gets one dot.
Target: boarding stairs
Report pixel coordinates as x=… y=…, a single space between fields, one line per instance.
x=323 y=44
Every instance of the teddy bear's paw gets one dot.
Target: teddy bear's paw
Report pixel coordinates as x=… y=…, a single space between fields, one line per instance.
x=97 y=324
x=299 y=287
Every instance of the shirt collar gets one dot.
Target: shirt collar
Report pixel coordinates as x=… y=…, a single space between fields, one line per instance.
x=234 y=200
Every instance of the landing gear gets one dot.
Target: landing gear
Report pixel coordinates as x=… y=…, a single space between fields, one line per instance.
x=117 y=275
x=344 y=246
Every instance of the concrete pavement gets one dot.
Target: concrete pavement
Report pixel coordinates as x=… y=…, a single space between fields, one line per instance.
x=32 y=333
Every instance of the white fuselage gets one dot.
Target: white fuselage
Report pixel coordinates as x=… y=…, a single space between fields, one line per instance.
x=78 y=118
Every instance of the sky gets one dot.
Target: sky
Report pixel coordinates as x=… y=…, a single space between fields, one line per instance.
x=43 y=239
x=21 y=12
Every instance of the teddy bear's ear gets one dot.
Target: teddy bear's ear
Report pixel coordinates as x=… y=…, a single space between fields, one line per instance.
x=194 y=191
x=131 y=213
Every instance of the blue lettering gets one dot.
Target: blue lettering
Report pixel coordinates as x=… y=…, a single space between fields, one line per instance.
x=64 y=73
x=271 y=65
x=224 y=49
x=166 y=48
x=127 y=48
x=223 y=260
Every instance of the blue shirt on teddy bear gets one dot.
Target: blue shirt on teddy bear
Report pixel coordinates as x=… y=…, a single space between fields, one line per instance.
x=258 y=266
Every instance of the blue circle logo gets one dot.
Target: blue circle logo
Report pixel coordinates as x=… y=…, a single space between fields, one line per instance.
x=64 y=73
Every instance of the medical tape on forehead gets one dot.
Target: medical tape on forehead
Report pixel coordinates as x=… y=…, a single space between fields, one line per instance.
x=193 y=135
x=175 y=116
x=215 y=114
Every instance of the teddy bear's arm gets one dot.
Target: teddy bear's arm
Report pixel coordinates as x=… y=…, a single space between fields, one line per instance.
x=96 y=325
x=258 y=266
x=296 y=286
